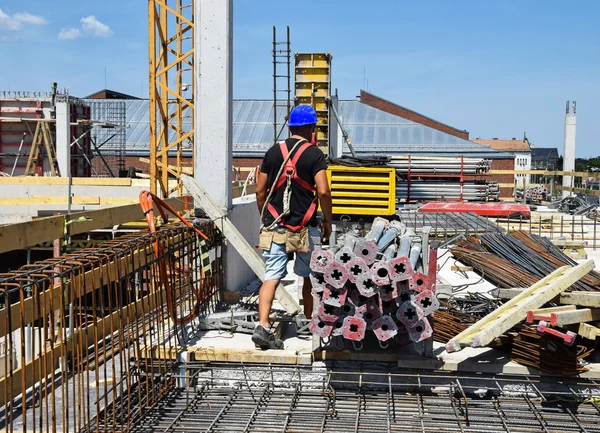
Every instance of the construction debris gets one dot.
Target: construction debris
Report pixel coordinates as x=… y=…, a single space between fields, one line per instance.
x=514 y=311
x=383 y=283
x=574 y=205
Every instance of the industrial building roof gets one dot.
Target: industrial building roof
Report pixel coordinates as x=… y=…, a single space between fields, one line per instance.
x=371 y=130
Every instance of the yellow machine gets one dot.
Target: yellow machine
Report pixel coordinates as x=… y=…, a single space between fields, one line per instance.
x=362 y=190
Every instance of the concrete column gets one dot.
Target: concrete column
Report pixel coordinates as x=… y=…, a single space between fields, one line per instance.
x=63 y=137
x=213 y=96
x=336 y=139
x=569 y=152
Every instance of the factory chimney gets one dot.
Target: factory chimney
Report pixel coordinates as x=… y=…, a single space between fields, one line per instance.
x=569 y=152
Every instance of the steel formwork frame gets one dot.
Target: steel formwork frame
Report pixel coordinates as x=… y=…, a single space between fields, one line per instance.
x=171 y=78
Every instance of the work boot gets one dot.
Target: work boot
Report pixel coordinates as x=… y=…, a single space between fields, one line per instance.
x=265 y=339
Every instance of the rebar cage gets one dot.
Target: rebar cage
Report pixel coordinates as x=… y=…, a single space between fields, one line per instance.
x=94 y=330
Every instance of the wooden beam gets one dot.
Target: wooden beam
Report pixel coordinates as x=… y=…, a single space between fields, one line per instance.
x=254 y=261
x=185 y=170
x=75 y=181
x=562 y=318
x=26 y=234
x=88 y=200
x=499 y=321
x=22 y=235
x=581 y=299
x=589 y=331
x=594 y=174
x=585 y=191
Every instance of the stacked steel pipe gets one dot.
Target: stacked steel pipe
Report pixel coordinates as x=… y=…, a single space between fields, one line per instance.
x=423 y=190
x=532 y=193
x=383 y=283
x=440 y=165
x=434 y=178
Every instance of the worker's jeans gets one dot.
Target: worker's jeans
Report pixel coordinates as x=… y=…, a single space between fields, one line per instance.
x=276 y=259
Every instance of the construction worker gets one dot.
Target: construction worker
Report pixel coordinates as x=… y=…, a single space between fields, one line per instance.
x=290 y=174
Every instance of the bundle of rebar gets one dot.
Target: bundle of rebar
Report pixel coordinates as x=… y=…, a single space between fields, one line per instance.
x=382 y=283
x=517 y=259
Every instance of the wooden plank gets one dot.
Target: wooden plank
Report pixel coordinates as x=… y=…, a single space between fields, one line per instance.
x=49 y=199
x=550 y=310
x=22 y=235
x=595 y=174
x=589 y=331
x=562 y=318
x=585 y=191
x=460 y=268
x=224 y=354
x=346 y=355
x=185 y=170
x=75 y=181
x=26 y=234
x=514 y=311
x=580 y=299
x=254 y=261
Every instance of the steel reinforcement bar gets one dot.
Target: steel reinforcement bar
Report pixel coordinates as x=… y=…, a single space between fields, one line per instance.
x=70 y=328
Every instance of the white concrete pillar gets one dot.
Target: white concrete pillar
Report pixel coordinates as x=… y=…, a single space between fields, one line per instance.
x=63 y=137
x=213 y=96
x=569 y=152
x=336 y=139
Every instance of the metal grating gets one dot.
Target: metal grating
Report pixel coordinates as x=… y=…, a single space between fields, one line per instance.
x=271 y=399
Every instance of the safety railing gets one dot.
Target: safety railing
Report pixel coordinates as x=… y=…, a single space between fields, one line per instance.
x=86 y=338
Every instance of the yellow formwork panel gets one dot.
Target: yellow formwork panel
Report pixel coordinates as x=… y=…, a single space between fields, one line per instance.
x=362 y=190
x=312 y=82
x=319 y=91
x=312 y=59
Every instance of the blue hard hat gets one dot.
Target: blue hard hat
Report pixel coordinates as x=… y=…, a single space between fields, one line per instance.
x=303 y=115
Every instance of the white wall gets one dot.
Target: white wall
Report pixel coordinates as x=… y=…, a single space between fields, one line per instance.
x=522 y=162
x=244 y=215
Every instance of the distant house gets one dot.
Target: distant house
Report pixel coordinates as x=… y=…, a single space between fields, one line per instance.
x=520 y=148
x=544 y=158
x=110 y=94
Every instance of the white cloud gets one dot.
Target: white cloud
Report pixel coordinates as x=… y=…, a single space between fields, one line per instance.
x=90 y=25
x=14 y=23
x=26 y=17
x=71 y=33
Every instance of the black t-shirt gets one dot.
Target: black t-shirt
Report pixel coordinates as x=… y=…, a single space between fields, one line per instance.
x=310 y=163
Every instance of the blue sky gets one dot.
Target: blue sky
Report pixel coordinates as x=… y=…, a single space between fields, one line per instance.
x=494 y=68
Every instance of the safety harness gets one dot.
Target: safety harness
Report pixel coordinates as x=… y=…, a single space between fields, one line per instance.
x=288 y=174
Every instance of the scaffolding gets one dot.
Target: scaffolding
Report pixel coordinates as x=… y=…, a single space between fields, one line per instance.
x=171 y=49
x=282 y=73
x=109 y=141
